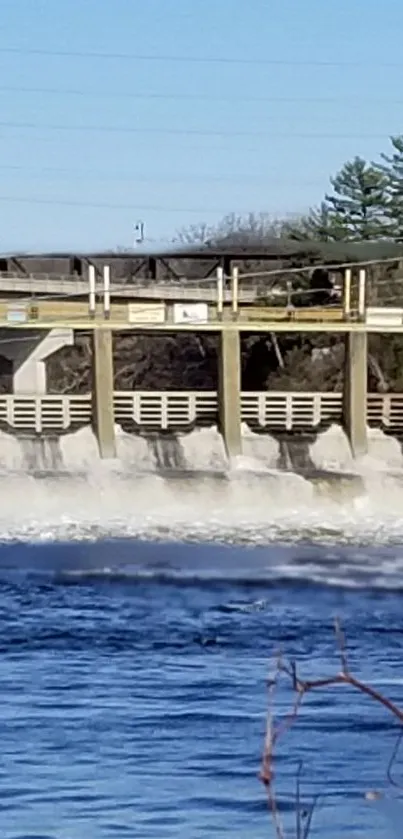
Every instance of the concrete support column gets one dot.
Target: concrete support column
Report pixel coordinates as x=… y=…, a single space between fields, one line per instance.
x=355 y=392
x=28 y=349
x=229 y=391
x=102 y=392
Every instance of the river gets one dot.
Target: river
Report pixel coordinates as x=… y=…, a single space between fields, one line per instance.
x=139 y=616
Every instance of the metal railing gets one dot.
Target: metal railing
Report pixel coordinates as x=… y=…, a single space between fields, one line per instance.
x=72 y=286
x=243 y=299
x=182 y=410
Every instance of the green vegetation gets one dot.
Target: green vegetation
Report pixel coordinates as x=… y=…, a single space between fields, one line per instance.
x=365 y=204
x=361 y=217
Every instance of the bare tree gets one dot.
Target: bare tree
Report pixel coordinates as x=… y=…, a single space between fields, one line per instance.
x=254 y=230
x=275 y=731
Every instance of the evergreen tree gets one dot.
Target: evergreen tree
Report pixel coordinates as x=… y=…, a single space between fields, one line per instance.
x=319 y=225
x=359 y=204
x=358 y=209
x=392 y=171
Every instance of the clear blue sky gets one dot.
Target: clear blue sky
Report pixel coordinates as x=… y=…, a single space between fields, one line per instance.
x=77 y=167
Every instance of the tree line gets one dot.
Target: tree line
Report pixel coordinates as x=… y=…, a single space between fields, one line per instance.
x=365 y=204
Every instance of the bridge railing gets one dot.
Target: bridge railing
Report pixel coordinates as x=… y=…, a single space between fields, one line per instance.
x=385 y=410
x=179 y=410
x=45 y=413
x=265 y=298
x=169 y=409
x=284 y=410
x=72 y=286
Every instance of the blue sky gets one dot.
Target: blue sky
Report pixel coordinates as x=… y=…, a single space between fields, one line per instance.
x=113 y=128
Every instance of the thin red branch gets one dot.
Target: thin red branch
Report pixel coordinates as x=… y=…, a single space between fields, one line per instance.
x=301 y=688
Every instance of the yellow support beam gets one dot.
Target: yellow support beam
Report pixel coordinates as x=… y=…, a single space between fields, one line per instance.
x=229 y=391
x=143 y=316
x=87 y=325
x=102 y=393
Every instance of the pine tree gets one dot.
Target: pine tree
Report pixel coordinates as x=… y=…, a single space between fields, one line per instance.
x=360 y=201
x=392 y=170
x=358 y=208
x=320 y=225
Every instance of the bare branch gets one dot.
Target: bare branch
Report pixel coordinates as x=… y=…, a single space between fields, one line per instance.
x=309 y=817
x=298 y=813
x=341 y=640
x=266 y=772
x=392 y=762
x=274 y=731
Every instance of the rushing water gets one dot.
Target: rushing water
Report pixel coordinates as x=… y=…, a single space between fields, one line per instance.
x=139 y=613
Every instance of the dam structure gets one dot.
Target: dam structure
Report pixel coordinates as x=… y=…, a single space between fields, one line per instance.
x=41 y=310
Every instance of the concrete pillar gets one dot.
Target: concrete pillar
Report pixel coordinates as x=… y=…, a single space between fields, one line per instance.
x=229 y=391
x=28 y=349
x=102 y=392
x=355 y=392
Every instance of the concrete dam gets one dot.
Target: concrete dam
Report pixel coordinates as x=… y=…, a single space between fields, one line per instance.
x=227 y=463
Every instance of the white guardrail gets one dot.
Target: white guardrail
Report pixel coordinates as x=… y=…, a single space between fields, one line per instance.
x=176 y=410
x=71 y=286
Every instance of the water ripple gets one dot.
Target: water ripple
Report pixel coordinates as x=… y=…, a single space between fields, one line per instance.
x=134 y=700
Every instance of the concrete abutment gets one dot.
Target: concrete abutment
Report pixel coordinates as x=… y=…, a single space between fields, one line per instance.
x=28 y=350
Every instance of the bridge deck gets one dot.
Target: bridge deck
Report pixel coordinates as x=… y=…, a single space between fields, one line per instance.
x=84 y=323
x=43 y=301
x=39 y=285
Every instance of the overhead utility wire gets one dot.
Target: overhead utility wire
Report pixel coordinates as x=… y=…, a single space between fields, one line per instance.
x=197 y=132
x=212 y=281
x=132 y=177
x=194 y=59
x=110 y=206
x=328 y=266
x=116 y=287
x=205 y=97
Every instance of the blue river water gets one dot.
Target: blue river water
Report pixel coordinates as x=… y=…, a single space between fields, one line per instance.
x=133 y=687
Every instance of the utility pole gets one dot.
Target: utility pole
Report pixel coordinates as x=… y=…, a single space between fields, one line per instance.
x=138 y=233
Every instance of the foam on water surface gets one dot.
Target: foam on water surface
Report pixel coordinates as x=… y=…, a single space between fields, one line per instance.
x=184 y=489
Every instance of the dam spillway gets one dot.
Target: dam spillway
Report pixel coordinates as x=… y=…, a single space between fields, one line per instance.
x=181 y=488
x=229 y=306
x=227 y=464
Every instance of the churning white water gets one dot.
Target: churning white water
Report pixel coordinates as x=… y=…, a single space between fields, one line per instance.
x=183 y=488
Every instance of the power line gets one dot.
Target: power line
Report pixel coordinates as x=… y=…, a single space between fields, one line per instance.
x=193 y=59
x=86 y=174
x=203 y=97
x=197 y=132
x=53 y=138
x=99 y=205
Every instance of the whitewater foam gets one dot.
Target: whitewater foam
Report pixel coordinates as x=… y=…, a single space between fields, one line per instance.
x=182 y=489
